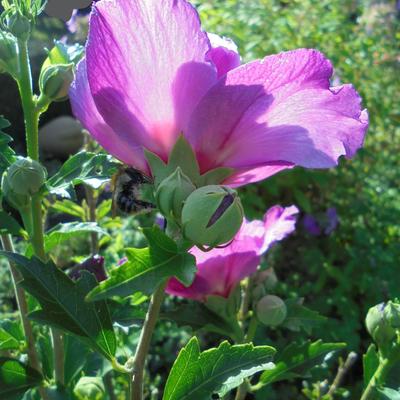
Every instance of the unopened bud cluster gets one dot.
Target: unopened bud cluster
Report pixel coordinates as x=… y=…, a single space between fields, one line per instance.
x=208 y=216
x=24 y=178
x=383 y=322
x=8 y=53
x=55 y=80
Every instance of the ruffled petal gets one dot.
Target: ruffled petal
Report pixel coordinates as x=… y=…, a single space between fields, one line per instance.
x=84 y=109
x=147 y=69
x=224 y=54
x=220 y=270
x=276 y=113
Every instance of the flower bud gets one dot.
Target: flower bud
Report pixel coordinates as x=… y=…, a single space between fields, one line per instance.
x=90 y=388
x=8 y=53
x=379 y=323
x=271 y=310
x=55 y=80
x=26 y=176
x=393 y=313
x=19 y=26
x=212 y=215
x=18 y=201
x=172 y=192
x=94 y=265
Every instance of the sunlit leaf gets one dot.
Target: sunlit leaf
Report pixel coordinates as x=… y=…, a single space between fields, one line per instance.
x=146 y=268
x=297 y=360
x=199 y=375
x=16 y=378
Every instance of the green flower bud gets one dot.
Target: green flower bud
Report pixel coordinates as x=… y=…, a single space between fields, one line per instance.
x=393 y=314
x=172 y=192
x=271 y=310
x=55 y=80
x=90 y=388
x=19 y=26
x=18 y=201
x=25 y=176
x=379 y=323
x=212 y=215
x=8 y=53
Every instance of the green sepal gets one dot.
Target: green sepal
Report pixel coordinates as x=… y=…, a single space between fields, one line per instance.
x=183 y=156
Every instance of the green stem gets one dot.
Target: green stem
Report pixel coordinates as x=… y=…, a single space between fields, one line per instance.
x=144 y=342
x=251 y=331
x=380 y=375
x=31 y=114
x=31 y=117
x=33 y=358
x=91 y=217
x=58 y=345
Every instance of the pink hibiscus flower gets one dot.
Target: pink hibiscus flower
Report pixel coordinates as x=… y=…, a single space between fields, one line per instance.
x=152 y=73
x=220 y=270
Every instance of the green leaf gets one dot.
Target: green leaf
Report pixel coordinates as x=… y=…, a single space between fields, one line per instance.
x=11 y=336
x=300 y=317
x=16 y=378
x=63 y=303
x=7 y=154
x=303 y=201
x=69 y=207
x=197 y=375
x=389 y=394
x=84 y=167
x=63 y=232
x=296 y=360
x=147 y=268
x=370 y=363
x=197 y=316
x=9 y=225
x=76 y=354
x=127 y=314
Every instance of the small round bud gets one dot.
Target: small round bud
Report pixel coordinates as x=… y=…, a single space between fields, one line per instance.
x=8 y=53
x=172 y=192
x=19 y=26
x=90 y=388
x=26 y=176
x=379 y=324
x=55 y=80
x=271 y=310
x=18 y=201
x=212 y=215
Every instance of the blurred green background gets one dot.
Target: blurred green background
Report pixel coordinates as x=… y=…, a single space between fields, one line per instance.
x=340 y=274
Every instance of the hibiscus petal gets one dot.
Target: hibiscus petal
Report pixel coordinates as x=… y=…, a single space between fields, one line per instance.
x=224 y=54
x=147 y=69
x=86 y=111
x=276 y=113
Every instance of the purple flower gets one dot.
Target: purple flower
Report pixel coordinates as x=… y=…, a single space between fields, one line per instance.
x=325 y=223
x=220 y=270
x=152 y=73
x=94 y=265
x=332 y=220
x=311 y=225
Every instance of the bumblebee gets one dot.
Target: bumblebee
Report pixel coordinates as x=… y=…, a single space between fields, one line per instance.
x=126 y=186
